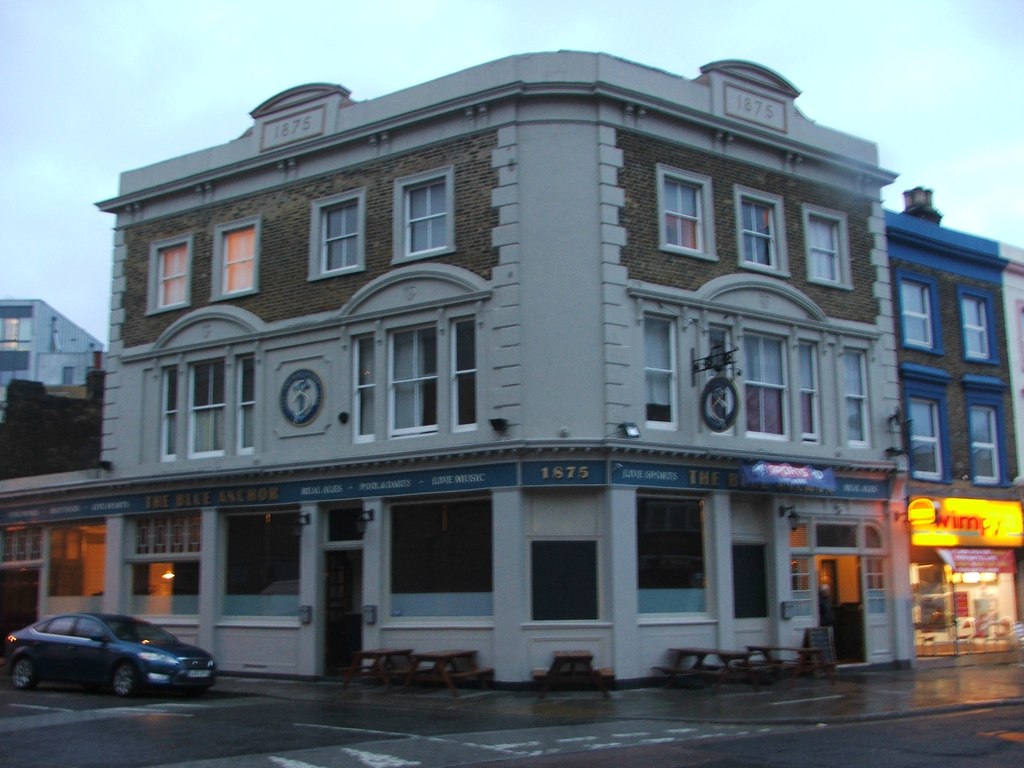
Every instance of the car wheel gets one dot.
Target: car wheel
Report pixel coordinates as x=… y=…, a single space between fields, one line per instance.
x=23 y=674
x=126 y=679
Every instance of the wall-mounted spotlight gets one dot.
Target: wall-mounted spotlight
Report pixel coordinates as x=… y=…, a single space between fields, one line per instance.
x=106 y=465
x=789 y=512
x=499 y=425
x=365 y=516
x=630 y=430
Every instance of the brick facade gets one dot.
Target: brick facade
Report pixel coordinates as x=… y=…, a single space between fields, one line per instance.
x=284 y=290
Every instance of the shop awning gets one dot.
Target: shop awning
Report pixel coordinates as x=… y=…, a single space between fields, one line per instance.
x=964 y=560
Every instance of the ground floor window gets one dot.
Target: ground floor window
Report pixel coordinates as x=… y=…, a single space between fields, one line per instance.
x=262 y=576
x=670 y=556
x=960 y=612
x=165 y=565
x=77 y=558
x=441 y=559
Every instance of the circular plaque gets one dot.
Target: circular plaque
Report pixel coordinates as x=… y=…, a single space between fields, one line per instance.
x=301 y=396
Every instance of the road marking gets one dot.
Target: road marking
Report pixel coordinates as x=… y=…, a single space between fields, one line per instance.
x=368 y=731
x=376 y=760
x=39 y=706
x=287 y=762
x=802 y=701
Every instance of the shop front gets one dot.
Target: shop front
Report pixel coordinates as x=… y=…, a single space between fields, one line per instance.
x=963 y=574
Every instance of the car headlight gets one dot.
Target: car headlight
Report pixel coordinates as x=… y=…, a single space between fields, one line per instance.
x=157 y=657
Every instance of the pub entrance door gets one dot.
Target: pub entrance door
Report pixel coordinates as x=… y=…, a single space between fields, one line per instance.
x=343 y=620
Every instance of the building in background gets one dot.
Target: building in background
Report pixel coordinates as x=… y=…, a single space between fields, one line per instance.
x=37 y=343
x=558 y=351
x=962 y=506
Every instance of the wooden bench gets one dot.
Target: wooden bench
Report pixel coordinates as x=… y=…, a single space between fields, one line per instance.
x=447 y=667
x=713 y=664
x=793 y=661
x=381 y=664
x=573 y=667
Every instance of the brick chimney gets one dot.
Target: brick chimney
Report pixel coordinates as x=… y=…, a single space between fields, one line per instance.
x=918 y=202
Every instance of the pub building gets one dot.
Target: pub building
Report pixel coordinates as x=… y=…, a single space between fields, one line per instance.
x=963 y=574
x=557 y=352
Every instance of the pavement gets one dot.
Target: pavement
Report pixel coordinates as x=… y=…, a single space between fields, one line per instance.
x=859 y=693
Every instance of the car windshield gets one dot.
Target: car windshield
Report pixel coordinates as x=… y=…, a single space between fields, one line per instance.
x=140 y=632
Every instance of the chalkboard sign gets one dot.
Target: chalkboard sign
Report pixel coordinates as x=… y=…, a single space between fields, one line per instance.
x=821 y=637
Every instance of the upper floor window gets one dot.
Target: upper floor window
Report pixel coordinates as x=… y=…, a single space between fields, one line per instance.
x=169 y=414
x=977 y=323
x=684 y=201
x=984 y=444
x=828 y=259
x=364 y=385
x=760 y=231
x=424 y=221
x=337 y=241
x=765 y=386
x=413 y=386
x=856 y=397
x=919 y=322
x=207 y=409
x=170 y=266
x=464 y=373
x=659 y=370
x=808 y=371
x=236 y=258
x=246 y=421
x=16 y=333
x=925 y=439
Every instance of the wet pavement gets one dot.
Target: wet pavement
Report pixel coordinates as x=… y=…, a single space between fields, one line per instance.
x=857 y=694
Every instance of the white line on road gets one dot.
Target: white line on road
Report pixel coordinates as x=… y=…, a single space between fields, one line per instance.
x=801 y=701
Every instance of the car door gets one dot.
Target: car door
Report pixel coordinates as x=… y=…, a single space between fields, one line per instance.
x=90 y=652
x=52 y=648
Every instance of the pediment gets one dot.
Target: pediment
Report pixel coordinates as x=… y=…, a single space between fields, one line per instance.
x=754 y=295
x=415 y=286
x=209 y=325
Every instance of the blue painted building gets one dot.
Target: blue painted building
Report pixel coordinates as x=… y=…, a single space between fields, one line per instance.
x=965 y=514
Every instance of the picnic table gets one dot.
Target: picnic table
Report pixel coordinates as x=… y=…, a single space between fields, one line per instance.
x=447 y=667
x=794 y=659
x=714 y=664
x=379 y=663
x=569 y=666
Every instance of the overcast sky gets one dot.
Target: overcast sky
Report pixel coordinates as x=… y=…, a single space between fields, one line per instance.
x=91 y=88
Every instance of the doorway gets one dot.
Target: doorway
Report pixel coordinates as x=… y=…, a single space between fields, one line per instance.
x=343 y=620
x=842 y=574
x=19 y=599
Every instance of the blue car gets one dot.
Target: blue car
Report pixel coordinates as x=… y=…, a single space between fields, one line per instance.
x=106 y=650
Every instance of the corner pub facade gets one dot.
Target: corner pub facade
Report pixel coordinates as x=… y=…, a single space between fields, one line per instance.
x=560 y=351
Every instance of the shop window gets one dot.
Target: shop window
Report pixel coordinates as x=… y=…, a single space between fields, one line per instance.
x=22 y=545
x=671 y=571
x=564 y=580
x=262 y=577
x=441 y=559
x=165 y=588
x=165 y=565
x=77 y=559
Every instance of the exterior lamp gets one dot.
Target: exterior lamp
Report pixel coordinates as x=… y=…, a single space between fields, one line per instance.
x=789 y=512
x=630 y=430
x=365 y=516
